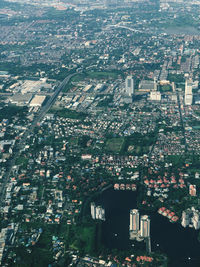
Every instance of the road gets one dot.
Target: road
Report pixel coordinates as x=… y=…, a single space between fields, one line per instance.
x=120 y=25
x=181 y=119
x=19 y=146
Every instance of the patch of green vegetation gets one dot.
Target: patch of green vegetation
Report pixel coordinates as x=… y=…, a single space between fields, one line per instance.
x=196 y=127
x=194 y=123
x=22 y=161
x=68 y=87
x=74 y=141
x=83 y=140
x=78 y=78
x=84 y=238
x=165 y=88
x=67 y=113
x=115 y=144
x=181 y=21
x=175 y=129
x=102 y=75
x=177 y=78
x=41 y=254
x=176 y=160
x=11 y=111
x=138 y=144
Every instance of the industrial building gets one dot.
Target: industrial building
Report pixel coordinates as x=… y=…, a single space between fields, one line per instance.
x=155 y=96
x=37 y=101
x=21 y=99
x=146 y=86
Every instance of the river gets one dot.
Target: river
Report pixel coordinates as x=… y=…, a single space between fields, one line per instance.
x=180 y=244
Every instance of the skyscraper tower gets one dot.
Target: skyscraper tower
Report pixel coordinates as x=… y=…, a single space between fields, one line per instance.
x=134 y=220
x=129 y=89
x=155 y=84
x=145 y=226
x=93 y=210
x=188 y=92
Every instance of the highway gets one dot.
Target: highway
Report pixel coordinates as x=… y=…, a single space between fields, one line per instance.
x=22 y=142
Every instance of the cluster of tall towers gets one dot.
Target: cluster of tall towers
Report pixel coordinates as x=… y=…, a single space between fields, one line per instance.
x=139 y=225
x=97 y=212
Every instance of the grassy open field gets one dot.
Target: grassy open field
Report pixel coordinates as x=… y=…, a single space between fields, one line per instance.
x=114 y=144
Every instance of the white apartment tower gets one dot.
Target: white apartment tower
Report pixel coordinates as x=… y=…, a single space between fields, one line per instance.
x=188 y=92
x=145 y=226
x=93 y=210
x=185 y=219
x=129 y=89
x=155 y=84
x=134 y=220
x=196 y=220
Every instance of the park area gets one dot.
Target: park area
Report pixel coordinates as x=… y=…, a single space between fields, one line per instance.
x=115 y=144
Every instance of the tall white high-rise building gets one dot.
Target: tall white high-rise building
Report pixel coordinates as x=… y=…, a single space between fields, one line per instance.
x=188 y=92
x=145 y=226
x=185 y=218
x=134 y=220
x=100 y=213
x=155 y=84
x=93 y=210
x=129 y=89
x=196 y=220
x=97 y=212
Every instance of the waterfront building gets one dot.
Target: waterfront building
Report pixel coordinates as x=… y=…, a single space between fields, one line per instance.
x=196 y=220
x=97 y=212
x=134 y=220
x=93 y=210
x=185 y=219
x=191 y=217
x=100 y=213
x=145 y=226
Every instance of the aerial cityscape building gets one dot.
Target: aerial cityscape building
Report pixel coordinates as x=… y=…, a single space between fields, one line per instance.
x=188 y=92
x=97 y=212
x=191 y=218
x=129 y=89
x=134 y=220
x=144 y=226
x=139 y=227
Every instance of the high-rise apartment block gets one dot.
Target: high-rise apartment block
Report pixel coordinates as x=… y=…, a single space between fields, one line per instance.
x=139 y=228
x=191 y=218
x=188 y=92
x=145 y=226
x=97 y=212
x=129 y=88
x=134 y=220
